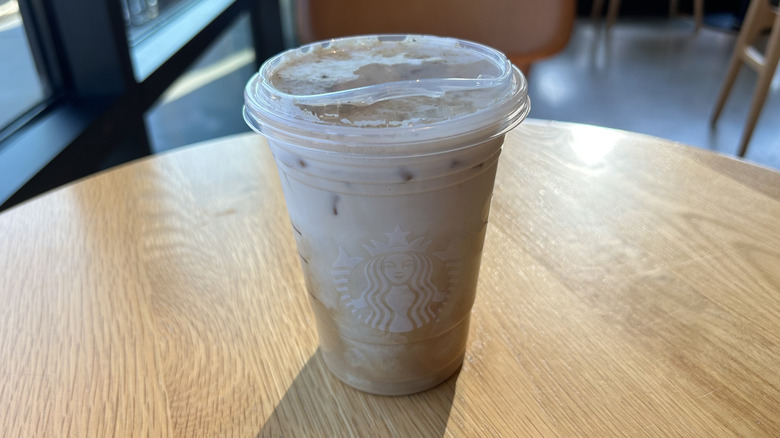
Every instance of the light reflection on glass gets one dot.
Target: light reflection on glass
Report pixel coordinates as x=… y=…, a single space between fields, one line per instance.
x=138 y=12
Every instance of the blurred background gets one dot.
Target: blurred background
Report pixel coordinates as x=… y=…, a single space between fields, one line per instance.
x=85 y=87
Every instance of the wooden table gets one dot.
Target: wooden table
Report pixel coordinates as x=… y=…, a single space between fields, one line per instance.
x=629 y=287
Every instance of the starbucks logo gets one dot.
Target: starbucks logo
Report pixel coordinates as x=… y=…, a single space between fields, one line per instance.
x=397 y=285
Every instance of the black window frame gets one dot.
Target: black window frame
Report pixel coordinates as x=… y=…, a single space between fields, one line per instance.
x=95 y=117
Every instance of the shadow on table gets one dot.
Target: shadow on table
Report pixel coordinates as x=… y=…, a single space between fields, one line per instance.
x=318 y=404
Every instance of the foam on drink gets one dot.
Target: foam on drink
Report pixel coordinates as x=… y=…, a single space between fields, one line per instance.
x=376 y=63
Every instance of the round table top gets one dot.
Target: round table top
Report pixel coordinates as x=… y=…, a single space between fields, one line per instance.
x=630 y=286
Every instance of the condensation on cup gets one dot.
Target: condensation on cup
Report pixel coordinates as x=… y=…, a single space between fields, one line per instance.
x=387 y=147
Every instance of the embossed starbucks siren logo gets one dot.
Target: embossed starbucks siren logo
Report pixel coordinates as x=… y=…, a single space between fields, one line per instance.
x=399 y=285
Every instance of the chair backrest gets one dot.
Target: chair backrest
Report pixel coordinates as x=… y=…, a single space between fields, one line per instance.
x=525 y=30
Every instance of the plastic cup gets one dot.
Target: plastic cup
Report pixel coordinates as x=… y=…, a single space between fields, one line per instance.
x=387 y=147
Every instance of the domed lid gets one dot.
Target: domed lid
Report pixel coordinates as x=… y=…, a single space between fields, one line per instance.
x=405 y=88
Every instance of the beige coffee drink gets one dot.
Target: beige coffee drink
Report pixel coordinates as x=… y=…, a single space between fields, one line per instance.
x=387 y=149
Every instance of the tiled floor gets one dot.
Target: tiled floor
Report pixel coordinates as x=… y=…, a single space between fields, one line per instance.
x=654 y=76
x=658 y=77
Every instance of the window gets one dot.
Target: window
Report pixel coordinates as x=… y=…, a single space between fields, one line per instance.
x=23 y=85
x=107 y=64
x=205 y=102
x=157 y=30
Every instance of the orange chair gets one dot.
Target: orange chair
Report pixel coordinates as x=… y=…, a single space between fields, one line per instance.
x=525 y=30
x=760 y=16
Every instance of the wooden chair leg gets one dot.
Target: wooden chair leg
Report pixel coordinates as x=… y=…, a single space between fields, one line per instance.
x=612 y=12
x=767 y=72
x=595 y=12
x=728 y=83
x=754 y=19
x=698 y=13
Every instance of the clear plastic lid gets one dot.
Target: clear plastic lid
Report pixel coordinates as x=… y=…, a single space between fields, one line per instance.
x=386 y=89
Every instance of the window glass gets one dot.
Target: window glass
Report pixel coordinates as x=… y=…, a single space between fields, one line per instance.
x=156 y=29
x=206 y=101
x=22 y=85
x=142 y=17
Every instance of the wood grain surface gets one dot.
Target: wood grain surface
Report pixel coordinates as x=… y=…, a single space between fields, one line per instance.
x=629 y=287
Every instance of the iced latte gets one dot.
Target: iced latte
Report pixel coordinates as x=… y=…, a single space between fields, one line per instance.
x=387 y=149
